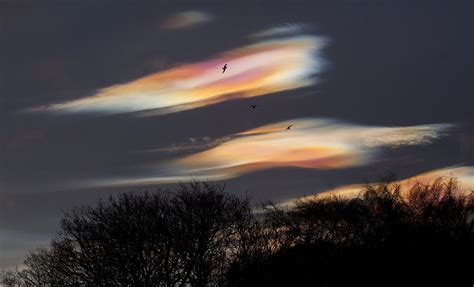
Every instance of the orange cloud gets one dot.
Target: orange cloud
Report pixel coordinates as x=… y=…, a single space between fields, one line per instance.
x=311 y=143
x=464 y=174
x=255 y=70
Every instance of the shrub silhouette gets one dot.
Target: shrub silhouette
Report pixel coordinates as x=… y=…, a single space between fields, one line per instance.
x=199 y=235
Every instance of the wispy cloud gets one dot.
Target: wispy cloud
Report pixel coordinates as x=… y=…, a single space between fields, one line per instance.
x=311 y=143
x=281 y=30
x=464 y=174
x=255 y=70
x=186 y=19
x=191 y=144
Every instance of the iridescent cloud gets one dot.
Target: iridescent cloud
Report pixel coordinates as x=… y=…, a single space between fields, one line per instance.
x=255 y=70
x=187 y=19
x=310 y=143
x=464 y=174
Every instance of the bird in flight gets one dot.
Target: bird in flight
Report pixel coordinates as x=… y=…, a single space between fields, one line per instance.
x=224 y=68
x=253 y=106
x=289 y=127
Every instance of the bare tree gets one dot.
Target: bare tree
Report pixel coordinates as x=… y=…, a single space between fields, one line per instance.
x=147 y=239
x=382 y=233
x=205 y=221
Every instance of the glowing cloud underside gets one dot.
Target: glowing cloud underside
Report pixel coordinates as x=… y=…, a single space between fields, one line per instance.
x=311 y=143
x=255 y=70
x=464 y=174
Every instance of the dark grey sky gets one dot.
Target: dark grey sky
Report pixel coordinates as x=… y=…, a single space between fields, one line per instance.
x=390 y=63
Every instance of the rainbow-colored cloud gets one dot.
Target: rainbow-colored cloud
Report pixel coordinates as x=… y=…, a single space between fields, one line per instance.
x=255 y=70
x=310 y=143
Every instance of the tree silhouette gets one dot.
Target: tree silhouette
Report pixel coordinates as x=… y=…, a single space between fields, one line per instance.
x=382 y=237
x=143 y=240
x=198 y=235
x=205 y=221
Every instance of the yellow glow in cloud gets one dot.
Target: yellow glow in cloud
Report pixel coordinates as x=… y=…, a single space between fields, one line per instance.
x=310 y=143
x=255 y=70
x=464 y=174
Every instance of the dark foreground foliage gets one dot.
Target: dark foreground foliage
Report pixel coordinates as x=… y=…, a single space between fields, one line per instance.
x=382 y=238
x=201 y=236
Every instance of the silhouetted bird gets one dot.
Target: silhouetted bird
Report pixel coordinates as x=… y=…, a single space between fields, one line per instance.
x=224 y=68
x=253 y=106
x=289 y=127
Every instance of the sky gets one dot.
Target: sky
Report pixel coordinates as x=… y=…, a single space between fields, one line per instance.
x=101 y=97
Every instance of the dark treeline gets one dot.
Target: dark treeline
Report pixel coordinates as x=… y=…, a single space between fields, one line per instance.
x=198 y=235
